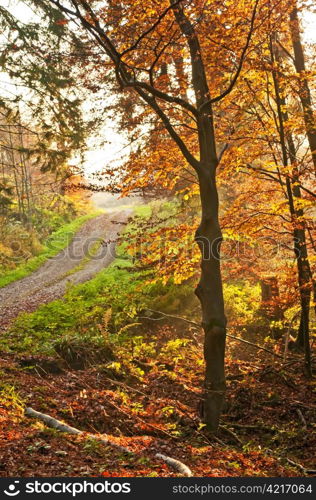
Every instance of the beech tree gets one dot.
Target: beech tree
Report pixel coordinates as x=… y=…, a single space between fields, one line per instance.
x=143 y=47
x=272 y=99
x=304 y=92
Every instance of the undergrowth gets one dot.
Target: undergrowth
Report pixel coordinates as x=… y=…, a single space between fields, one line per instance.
x=107 y=306
x=106 y=309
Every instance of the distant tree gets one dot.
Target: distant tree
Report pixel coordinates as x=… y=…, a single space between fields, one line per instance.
x=39 y=93
x=304 y=91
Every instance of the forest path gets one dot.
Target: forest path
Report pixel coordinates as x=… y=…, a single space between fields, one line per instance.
x=79 y=262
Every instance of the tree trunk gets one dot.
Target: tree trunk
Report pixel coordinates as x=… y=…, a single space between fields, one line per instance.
x=270 y=299
x=304 y=91
x=208 y=236
x=305 y=288
x=301 y=253
x=210 y=293
x=297 y=216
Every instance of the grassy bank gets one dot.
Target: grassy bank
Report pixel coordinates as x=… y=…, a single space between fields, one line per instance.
x=105 y=306
x=56 y=242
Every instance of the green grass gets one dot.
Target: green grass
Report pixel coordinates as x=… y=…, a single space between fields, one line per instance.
x=56 y=242
x=106 y=306
x=143 y=211
x=103 y=307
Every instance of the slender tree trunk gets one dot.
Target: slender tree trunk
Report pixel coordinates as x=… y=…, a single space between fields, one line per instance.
x=210 y=293
x=208 y=236
x=24 y=170
x=210 y=290
x=303 y=271
x=301 y=253
x=297 y=216
x=19 y=194
x=304 y=91
x=313 y=246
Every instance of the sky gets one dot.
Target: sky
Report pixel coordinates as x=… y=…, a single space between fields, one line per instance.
x=116 y=147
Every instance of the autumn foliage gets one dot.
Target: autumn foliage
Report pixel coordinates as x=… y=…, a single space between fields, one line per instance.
x=215 y=99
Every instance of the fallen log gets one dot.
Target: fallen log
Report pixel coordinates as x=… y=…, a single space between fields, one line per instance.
x=175 y=464
x=62 y=427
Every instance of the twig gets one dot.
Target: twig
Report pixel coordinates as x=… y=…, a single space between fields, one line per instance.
x=254 y=345
x=197 y=431
x=302 y=419
x=301 y=467
x=231 y=433
x=268 y=452
x=217 y=439
x=194 y=323
x=300 y=403
x=127 y=387
x=252 y=427
x=199 y=326
x=60 y=426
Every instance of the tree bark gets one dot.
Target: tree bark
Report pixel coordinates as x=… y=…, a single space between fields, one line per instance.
x=210 y=293
x=208 y=236
x=304 y=91
x=301 y=254
x=297 y=217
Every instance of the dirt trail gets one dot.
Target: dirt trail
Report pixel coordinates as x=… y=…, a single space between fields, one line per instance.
x=70 y=266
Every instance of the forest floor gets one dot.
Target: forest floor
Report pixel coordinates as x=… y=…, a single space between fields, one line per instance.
x=267 y=426
x=141 y=386
x=92 y=249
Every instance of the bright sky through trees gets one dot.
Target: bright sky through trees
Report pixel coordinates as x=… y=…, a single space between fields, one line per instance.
x=117 y=147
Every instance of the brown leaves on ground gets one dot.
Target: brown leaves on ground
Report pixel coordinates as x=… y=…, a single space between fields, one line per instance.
x=262 y=421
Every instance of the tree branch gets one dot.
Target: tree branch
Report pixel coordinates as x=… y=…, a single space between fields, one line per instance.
x=60 y=426
x=199 y=326
x=277 y=179
x=152 y=27
x=173 y=134
x=123 y=75
x=241 y=61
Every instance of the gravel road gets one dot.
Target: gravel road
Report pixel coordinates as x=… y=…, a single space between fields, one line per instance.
x=50 y=281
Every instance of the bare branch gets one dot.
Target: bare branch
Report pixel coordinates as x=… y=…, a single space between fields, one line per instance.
x=152 y=27
x=162 y=95
x=173 y=134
